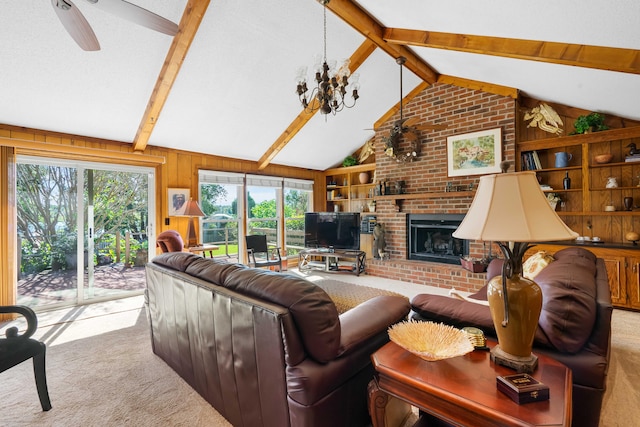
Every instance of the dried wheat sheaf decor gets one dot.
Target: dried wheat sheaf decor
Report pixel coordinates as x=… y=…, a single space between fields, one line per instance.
x=431 y=341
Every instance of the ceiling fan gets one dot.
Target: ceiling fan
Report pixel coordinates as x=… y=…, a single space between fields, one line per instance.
x=405 y=128
x=80 y=30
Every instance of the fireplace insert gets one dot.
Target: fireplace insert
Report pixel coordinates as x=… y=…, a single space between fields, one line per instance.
x=429 y=238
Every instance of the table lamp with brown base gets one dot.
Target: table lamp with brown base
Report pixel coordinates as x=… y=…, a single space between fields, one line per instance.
x=511 y=210
x=192 y=210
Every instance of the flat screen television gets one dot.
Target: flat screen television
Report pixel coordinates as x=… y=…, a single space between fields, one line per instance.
x=337 y=230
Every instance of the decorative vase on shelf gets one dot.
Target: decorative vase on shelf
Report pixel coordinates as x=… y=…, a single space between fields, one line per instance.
x=372 y=206
x=363 y=177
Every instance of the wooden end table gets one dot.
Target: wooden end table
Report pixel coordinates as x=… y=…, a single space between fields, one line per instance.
x=462 y=390
x=204 y=249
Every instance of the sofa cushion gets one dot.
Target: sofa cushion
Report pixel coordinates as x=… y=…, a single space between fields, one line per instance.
x=212 y=270
x=178 y=261
x=569 y=299
x=314 y=312
x=535 y=264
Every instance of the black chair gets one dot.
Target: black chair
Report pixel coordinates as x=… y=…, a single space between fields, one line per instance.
x=259 y=253
x=15 y=349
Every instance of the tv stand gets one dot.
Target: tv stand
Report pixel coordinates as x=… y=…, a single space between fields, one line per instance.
x=322 y=259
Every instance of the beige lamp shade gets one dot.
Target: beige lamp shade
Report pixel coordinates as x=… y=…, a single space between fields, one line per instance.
x=511 y=207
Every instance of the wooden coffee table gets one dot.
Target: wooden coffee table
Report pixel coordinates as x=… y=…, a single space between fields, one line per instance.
x=462 y=390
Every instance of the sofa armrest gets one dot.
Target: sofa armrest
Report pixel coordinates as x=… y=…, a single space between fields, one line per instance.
x=452 y=311
x=369 y=319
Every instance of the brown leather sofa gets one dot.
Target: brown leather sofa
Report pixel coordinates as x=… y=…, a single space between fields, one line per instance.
x=264 y=348
x=574 y=326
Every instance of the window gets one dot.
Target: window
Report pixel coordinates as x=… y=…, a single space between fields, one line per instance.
x=219 y=195
x=268 y=199
x=298 y=199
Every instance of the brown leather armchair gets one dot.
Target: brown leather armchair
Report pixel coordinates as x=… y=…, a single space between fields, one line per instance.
x=170 y=241
x=574 y=326
x=266 y=348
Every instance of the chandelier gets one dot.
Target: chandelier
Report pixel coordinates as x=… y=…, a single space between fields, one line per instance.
x=331 y=82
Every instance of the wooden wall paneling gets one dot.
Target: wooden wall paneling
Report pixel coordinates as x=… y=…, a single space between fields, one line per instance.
x=8 y=243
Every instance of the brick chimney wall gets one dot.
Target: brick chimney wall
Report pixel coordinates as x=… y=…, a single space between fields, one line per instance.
x=462 y=111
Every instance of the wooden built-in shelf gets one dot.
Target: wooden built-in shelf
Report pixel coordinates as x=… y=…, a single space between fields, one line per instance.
x=588 y=138
x=599 y=213
x=608 y=165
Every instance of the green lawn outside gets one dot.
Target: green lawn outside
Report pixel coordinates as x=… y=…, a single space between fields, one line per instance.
x=233 y=249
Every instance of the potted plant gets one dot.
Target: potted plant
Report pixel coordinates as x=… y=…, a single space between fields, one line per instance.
x=592 y=122
x=349 y=161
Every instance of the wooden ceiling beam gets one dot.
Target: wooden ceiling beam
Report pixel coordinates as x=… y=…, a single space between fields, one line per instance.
x=477 y=85
x=598 y=57
x=356 y=60
x=359 y=20
x=191 y=18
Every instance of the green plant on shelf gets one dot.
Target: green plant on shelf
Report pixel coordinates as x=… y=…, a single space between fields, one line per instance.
x=592 y=122
x=349 y=161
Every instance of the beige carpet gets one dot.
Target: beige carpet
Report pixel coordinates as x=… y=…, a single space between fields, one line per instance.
x=102 y=372
x=621 y=406
x=110 y=379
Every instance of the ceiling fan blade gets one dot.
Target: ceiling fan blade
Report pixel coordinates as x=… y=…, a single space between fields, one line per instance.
x=76 y=24
x=409 y=122
x=137 y=15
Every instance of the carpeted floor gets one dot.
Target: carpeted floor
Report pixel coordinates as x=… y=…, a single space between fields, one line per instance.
x=101 y=372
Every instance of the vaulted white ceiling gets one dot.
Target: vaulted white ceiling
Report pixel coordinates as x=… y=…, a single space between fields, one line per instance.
x=234 y=95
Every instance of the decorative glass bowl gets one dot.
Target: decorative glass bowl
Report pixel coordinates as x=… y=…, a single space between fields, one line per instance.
x=431 y=341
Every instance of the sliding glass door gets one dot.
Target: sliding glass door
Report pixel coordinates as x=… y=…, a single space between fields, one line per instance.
x=83 y=231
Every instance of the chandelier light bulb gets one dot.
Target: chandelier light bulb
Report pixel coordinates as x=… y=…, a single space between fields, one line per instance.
x=301 y=75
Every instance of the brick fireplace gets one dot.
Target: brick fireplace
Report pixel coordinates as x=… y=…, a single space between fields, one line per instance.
x=461 y=110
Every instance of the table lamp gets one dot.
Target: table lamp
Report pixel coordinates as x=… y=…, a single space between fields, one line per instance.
x=511 y=210
x=192 y=210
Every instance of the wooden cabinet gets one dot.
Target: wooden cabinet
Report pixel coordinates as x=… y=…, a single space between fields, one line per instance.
x=633 y=283
x=616 y=274
x=346 y=192
x=623 y=270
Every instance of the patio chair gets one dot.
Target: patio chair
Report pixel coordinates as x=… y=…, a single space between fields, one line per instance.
x=15 y=349
x=259 y=254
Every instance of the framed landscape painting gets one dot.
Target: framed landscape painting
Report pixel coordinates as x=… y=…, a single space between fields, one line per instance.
x=177 y=200
x=476 y=153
